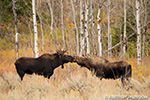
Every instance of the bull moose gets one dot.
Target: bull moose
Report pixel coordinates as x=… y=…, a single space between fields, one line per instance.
x=43 y=65
x=105 y=69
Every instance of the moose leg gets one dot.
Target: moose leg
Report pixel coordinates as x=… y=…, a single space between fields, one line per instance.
x=62 y=66
x=46 y=74
x=100 y=78
x=21 y=74
x=124 y=83
x=128 y=76
x=122 y=80
x=129 y=79
x=51 y=73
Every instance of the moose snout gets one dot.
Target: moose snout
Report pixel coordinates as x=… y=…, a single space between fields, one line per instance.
x=74 y=59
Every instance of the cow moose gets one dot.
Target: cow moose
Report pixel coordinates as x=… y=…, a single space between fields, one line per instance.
x=105 y=69
x=43 y=65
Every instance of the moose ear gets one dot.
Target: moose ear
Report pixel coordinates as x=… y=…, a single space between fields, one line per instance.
x=61 y=51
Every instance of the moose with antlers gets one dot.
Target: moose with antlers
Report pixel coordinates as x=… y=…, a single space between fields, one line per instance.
x=43 y=65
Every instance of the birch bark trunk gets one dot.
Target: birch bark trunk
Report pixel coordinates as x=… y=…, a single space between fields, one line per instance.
x=109 y=30
x=62 y=25
x=51 y=13
x=99 y=31
x=82 y=39
x=86 y=29
x=138 y=32
x=74 y=19
x=35 y=30
x=93 y=25
x=124 y=33
x=52 y=22
x=16 y=29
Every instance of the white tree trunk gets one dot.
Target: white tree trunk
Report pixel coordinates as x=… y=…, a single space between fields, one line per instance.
x=99 y=31
x=76 y=28
x=86 y=29
x=138 y=32
x=51 y=13
x=62 y=25
x=16 y=29
x=51 y=9
x=35 y=30
x=82 y=43
x=17 y=46
x=145 y=29
x=93 y=25
x=109 y=30
x=124 y=33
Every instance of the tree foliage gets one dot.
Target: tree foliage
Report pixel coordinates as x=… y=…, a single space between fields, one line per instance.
x=24 y=13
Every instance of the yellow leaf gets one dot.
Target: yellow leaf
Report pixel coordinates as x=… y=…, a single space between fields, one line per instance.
x=67 y=19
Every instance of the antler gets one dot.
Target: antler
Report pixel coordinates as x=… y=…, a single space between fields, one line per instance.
x=61 y=51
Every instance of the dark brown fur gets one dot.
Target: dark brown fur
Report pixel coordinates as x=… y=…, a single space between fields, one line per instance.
x=43 y=65
x=105 y=69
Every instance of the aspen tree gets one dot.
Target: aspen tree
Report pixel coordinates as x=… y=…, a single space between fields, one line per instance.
x=86 y=29
x=76 y=28
x=109 y=30
x=16 y=29
x=35 y=30
x=99 y=31
x=124 y=33
x=138 y=32
x=82 y=39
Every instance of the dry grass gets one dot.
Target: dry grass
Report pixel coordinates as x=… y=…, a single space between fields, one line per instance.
x=79 y=84
x=70 y=83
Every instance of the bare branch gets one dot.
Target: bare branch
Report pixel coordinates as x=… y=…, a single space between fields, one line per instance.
x=125 y=39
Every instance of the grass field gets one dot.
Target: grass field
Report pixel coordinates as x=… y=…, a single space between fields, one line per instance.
x=71 y=83
x=75 y=84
